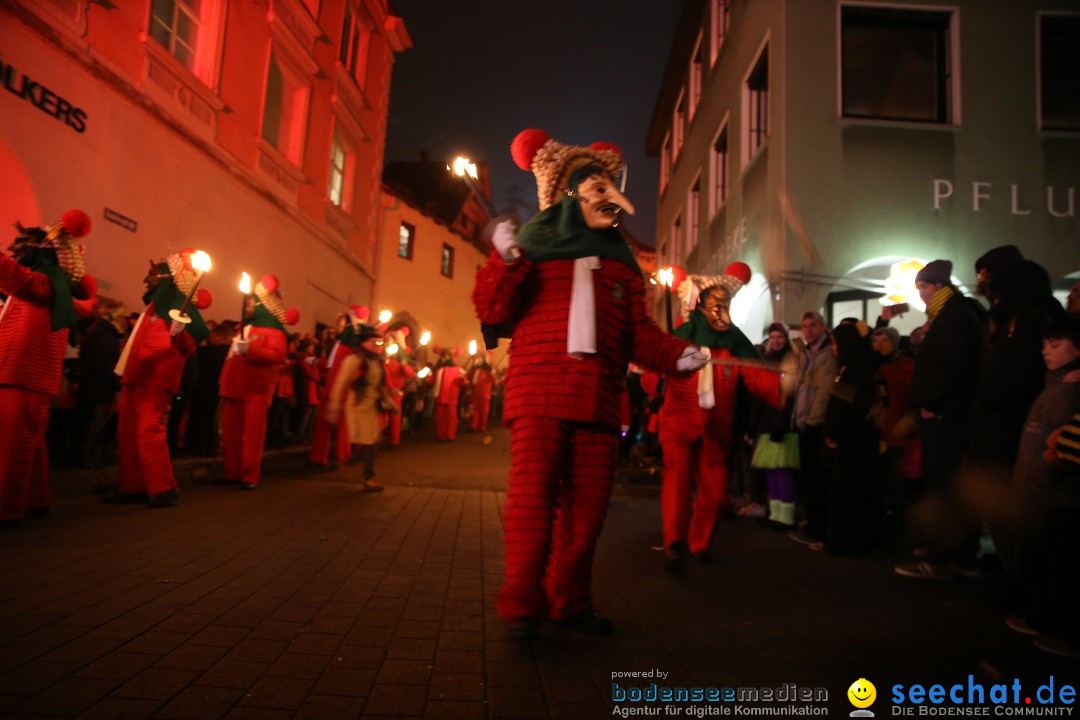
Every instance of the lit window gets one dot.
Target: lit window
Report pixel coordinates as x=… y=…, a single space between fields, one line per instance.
x=342 y=171
x=355 y=39
x=1059 y=71
x=678 y=119
x=719 y=169
x=693 y=204
x=406 y=235
x=285 y=110
x=695 y=78
x=896 y=64
x=720 y=24
x=665 y=162
x=175 y=25
x=756 y=106
x=446 y=267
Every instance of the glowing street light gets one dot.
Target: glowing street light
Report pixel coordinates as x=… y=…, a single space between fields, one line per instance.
x=900 y=285
x=425 y=338
x=384 y=316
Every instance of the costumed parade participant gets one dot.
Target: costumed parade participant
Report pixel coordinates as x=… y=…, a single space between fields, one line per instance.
x=326 y=433
x=481 y=379
x=357 y=396
x=570 y=294
x=398 y=372
x=448 y=380
x=696 y=419
x=47 y=288
x=150 y=368
x=248 y=381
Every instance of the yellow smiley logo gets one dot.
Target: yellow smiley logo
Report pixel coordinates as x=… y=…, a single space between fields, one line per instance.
x=862 y=693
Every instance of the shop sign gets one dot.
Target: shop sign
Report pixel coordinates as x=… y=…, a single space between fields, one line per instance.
x=23 y=87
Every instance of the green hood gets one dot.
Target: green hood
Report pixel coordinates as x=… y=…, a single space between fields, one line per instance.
x=43 y=260
x=560 y=233
x=697 y=331
x=261 y=317
x=166 y=296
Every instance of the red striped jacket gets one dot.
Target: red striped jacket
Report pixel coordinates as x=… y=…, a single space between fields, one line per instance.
x=156 y=358
x=31 y=353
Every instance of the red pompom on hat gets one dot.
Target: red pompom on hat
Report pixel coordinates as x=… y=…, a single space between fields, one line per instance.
x=437 y=349
x=360 y=312
x=611 y=147
x=76 y=223
x=269 y=282
x=87 y=287
x=404 y=330
x=292 y=316
x=525 y=146
x=458 y=352
x=739 y=270
x=203 y=298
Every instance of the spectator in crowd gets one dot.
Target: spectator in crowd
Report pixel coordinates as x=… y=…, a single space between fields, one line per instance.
x=96 y=396
x=817 y=371
x=893 y=374
x=942 y=389
x=355 y=399
x=776 y=444
x=201 y=436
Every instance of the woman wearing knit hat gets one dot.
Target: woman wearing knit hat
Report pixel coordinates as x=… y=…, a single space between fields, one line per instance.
x=568 y=289
x=248 y=381
x=47 y=290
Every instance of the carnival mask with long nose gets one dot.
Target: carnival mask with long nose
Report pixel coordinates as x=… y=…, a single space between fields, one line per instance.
x=600 y=199
x=717 y=309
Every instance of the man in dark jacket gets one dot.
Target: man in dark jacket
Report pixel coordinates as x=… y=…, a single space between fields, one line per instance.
x=943 y=386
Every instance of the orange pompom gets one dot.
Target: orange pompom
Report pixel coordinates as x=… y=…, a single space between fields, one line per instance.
x=739 y=270
x=360 y=312
x=292 y=316
x=88 y=287
x=404 y=331
x=525 y=146
x=269 y=282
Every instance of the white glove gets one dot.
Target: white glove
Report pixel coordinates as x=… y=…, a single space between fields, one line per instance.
x=504 y=238
x=176 y=328
x=691 y=359
x=240 y=347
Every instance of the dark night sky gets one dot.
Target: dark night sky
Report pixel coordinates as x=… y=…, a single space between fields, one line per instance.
x=480 y=71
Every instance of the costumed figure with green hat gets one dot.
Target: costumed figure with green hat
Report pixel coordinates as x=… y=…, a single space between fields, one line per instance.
x=696 y=419
x=150 y=368
x=356 y=397
x=326 y=433
x=569 y=293
x=248 y=380
x=47 y=289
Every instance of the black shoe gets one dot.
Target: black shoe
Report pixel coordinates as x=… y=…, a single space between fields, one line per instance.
x=165 y=500
x=703 y=558
x=522 y=628
x=589 y=621
x=675 y=560
x=117 y=498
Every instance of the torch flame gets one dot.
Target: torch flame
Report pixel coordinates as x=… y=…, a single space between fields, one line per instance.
x=472 y=347
x=245 y=283
x=200 y=261
x=384 y=316
x=425 y=338
x=393 y=349
x=424 y=373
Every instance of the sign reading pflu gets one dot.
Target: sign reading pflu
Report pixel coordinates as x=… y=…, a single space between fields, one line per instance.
x=1060 y=202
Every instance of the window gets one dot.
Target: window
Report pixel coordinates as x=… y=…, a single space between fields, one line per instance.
x=285 y=110
x=1059 y=72
x=676 y=241
x=446 y=267
x=678 y=118
x=756 y=106
x=175 y=25
x=695 y=78
x=693 y=205
x=665 y=162
x=406 y=235
x=355 y=39
x=720 y=23
x=342 y=171
x=719 y=169
x=896 y=64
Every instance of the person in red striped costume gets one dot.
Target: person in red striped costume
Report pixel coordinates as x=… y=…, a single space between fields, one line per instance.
x=569 y=293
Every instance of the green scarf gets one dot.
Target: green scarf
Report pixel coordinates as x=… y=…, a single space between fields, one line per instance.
x=560 y=233
x=262 y=317
x=348 y=336
x=43 y=260
x=166 y=296
x=697 y=331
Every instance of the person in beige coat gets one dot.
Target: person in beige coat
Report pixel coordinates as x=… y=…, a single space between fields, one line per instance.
x=354 y=399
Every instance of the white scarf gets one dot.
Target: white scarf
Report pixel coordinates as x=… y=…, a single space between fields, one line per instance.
x=706 y=398
x=581 y=329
